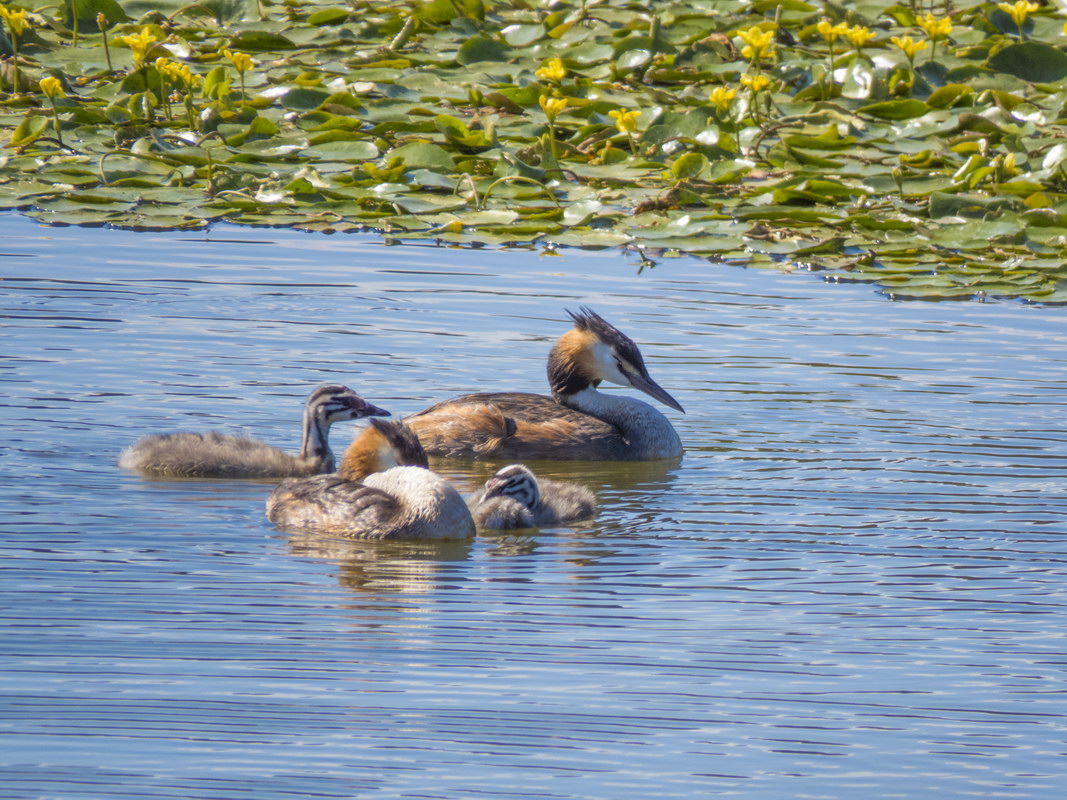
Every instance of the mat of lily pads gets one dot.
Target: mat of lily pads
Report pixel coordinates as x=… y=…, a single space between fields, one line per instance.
x=916 y=146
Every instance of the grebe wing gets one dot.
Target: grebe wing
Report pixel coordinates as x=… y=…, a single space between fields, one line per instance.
x=513 y=425
x=330 y=504
x=518 y=405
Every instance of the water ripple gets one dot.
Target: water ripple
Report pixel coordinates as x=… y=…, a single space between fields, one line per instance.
x=853 y=584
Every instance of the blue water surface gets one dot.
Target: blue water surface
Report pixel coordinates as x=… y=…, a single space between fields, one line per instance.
x=852 y=586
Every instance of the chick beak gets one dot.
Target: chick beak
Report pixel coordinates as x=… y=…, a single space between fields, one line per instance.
x=370 y=410
x=653 y=389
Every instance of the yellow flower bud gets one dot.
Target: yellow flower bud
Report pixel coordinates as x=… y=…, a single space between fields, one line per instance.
x=1009 y=167
x=51 y=87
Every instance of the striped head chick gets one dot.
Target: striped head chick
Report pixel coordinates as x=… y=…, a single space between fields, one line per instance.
x=517 y=482
x=327 y=404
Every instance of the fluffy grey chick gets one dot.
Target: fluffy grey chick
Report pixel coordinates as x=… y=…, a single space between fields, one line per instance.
x=220 y=455
x=515 y=498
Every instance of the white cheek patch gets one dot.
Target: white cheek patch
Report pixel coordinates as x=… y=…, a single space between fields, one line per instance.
x=605 y=361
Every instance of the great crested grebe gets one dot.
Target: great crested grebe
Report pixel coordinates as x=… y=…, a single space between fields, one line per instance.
x=515 y=498
x=576 y=423
x=382 y=490
x=219 y=455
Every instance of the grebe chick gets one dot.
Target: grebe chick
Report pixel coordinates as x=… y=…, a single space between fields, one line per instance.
x=382 y=490
x=515 y=498
x=219 y=455
x=576 y=423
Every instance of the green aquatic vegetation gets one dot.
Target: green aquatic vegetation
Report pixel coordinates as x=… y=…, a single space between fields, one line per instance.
x=917 y=147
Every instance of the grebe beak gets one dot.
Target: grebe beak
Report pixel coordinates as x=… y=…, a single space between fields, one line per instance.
x=653 y=389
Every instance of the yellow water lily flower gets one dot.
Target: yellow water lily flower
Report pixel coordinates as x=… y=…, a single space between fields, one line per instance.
x=140 y=44
x=552 y=106
x=176 y=72
x=829 y=31
x=16 y=24
x=625 y=121
x=859 y=35
x=906 y=44
x=552 y=70
x=1019 y=10
x=936 y=28
x=15 y=19
x=757 y=82
x=188 y=78
x=758 y=43
x=242 y=62
x=51 y=87
x=166 y=67
x=721 y=97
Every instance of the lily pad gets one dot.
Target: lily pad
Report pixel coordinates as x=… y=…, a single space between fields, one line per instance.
x=482 y=48
x=346 y=150
x=1032 y=61
x=424 y=155
x=896 y=109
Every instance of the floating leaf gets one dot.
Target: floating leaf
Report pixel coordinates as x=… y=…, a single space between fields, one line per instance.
x=633 y=59
x=523 y=35
x=896 y=109
x=689 y=166
x=1031 y=61
x=260 y=42
x=481 y=48
x=347 y=150
x=328 y=16
x=31 y=126
x=424 y=155
x=84 y=12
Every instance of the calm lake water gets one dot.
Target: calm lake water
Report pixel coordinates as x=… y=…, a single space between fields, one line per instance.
x=853 y=586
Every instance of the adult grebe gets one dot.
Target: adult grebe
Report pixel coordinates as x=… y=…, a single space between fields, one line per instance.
x=382 y=490
x=576 y=423
x=515 y=498
x=218 y=455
